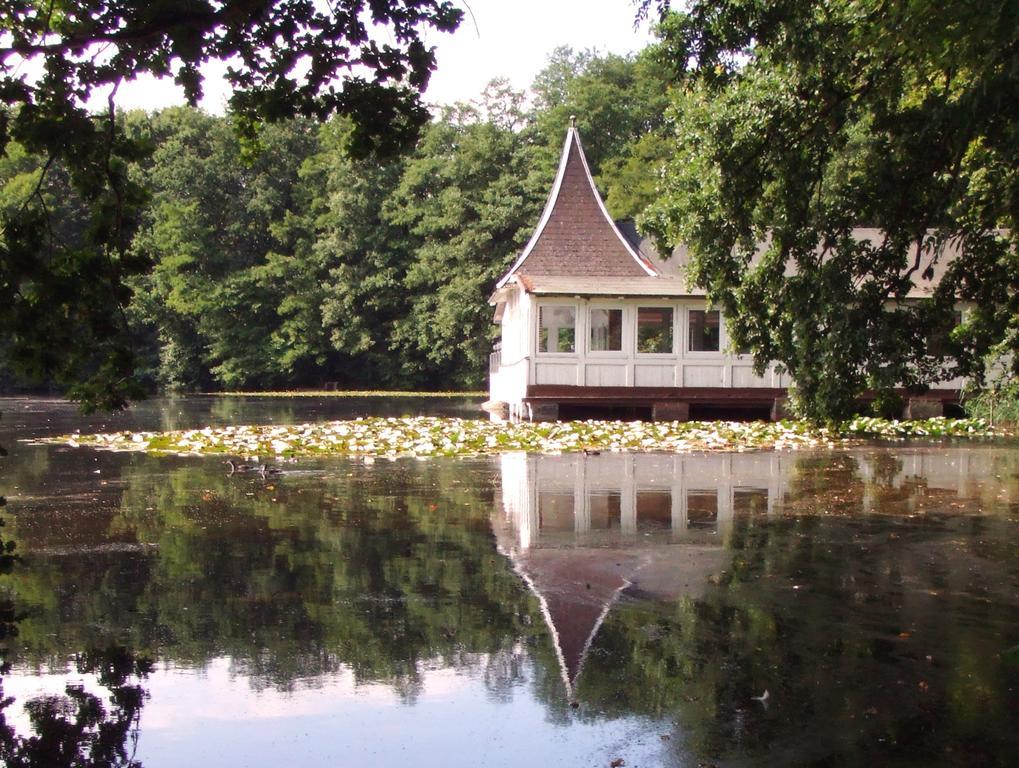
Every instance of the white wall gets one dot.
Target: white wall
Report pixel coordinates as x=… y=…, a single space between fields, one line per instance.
x=523 y=364
x=628 y=368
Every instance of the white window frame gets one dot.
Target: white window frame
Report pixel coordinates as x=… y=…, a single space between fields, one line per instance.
x=625 y=330
x=577 y=329
x=677 y=335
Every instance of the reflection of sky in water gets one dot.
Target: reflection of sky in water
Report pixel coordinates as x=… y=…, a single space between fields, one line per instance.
x=212 y=716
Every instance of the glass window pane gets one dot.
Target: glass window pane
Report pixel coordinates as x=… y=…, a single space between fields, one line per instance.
x=555 y=511
x=702 y=509
x=606 y=509
x=748 y=501
x=939 y=339
x=654 y=330
x=606 y=330
x=654 y=510
x=557 y=329
x=704 y=330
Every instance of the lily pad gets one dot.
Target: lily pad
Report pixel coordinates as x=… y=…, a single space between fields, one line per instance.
x=436 y=436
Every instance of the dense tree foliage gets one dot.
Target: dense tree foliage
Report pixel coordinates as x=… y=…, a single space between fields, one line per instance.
x=469 y=199
x=291 y=261
x=213 y=232
x=62 y=301
x=799 y=121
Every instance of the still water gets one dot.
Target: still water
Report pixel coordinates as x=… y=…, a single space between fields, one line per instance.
x=854 y=607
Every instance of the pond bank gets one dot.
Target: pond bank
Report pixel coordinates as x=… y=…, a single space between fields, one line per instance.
x=426 y=436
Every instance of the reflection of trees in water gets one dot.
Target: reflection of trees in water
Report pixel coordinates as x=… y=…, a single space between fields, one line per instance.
x=78 y=728
x=874 y=635
x=31 y=467
x=372 y=569
x=389 y=569
x=825 y=484
x=236 y=410
x=504 y=670
x=960 y=480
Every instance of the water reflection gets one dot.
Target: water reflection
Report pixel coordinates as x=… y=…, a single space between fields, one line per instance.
x=353 y=611
x=82 y=727
x=873 y=594
x=30 y=417
x=587 y=498
x=583 y=529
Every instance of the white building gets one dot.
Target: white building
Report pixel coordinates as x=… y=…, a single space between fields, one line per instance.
x=592 y=318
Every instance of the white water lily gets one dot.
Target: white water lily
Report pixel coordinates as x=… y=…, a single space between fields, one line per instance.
x=432 y=436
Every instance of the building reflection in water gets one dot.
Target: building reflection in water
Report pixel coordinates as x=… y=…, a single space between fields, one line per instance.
x=621 y=498
x=584 y=529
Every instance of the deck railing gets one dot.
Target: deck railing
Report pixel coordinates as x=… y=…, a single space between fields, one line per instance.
x=495 y=358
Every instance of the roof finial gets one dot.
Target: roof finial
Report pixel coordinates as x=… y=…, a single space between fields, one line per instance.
x=573 y=121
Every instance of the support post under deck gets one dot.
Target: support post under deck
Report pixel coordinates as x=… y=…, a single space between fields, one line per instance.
x=671 y=410
x=542 y=411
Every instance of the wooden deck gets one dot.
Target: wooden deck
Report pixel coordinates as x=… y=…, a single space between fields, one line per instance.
x=538 y=393
x=544 y=401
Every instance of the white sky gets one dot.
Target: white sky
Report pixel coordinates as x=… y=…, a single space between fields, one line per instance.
x=505 y=38
x=513 y=39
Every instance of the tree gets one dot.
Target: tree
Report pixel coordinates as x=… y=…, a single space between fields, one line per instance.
x=799 y=121
x=469 y=198
x=363 y=258
x=619 y=103
x=363 y=60
x=217 y=237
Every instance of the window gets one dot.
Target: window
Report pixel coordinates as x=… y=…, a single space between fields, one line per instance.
x=555 y=511
x=557 y=329
x=654 y=510
x=704 y=330
x=654 y=330
x=939 y=338
x=606 y=330
x=606 y=509
x=702 y=509
x=749 y=501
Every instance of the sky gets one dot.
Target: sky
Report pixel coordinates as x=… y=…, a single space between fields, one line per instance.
x=498 y=38
x=513 y=38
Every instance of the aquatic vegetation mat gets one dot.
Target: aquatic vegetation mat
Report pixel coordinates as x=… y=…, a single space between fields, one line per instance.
x=436 y=436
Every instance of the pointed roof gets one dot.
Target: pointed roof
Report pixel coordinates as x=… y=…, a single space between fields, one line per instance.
x=575 y=588
x=576 y=236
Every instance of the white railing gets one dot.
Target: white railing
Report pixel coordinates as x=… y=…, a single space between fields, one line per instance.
x=508 y=381
x=495 y=359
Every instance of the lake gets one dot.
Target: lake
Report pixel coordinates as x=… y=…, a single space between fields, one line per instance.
x=847 y=607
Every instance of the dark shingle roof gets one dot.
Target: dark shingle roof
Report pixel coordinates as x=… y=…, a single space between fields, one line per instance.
x=576 y=236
